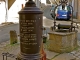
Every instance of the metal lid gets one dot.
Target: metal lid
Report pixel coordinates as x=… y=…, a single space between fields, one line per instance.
x=30 y=7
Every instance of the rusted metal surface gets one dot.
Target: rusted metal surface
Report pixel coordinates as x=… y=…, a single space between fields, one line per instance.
x=30 y=19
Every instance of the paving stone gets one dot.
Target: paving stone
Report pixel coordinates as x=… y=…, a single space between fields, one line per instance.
x=1 y=46
x=73 y=59
x=3 y=43
x=78 y=54
x=73 y=52
x=7 y=42
x=64 y=56
x=50 y=54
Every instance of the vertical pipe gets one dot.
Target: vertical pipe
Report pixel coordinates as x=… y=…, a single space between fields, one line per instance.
x=55 y=18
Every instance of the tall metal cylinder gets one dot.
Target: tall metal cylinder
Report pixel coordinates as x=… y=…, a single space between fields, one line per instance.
x=30 y=20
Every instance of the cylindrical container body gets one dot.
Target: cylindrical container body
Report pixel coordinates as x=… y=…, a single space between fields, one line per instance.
x=30 y=20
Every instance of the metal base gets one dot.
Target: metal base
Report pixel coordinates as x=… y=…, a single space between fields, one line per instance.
x=28 y=57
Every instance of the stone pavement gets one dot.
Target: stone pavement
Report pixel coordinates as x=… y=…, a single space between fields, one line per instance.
x=14 y=49
x=6 y=47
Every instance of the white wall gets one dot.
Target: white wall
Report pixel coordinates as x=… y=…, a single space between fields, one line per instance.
x=2 y=12
x=43 y=1
x=13 y=11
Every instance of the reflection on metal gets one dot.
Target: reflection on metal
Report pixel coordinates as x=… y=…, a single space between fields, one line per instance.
x=10 y=3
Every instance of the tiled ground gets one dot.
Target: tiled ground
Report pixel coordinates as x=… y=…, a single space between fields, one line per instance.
x=14 y=49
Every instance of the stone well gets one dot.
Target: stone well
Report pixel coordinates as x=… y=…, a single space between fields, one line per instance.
x=62 y=41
